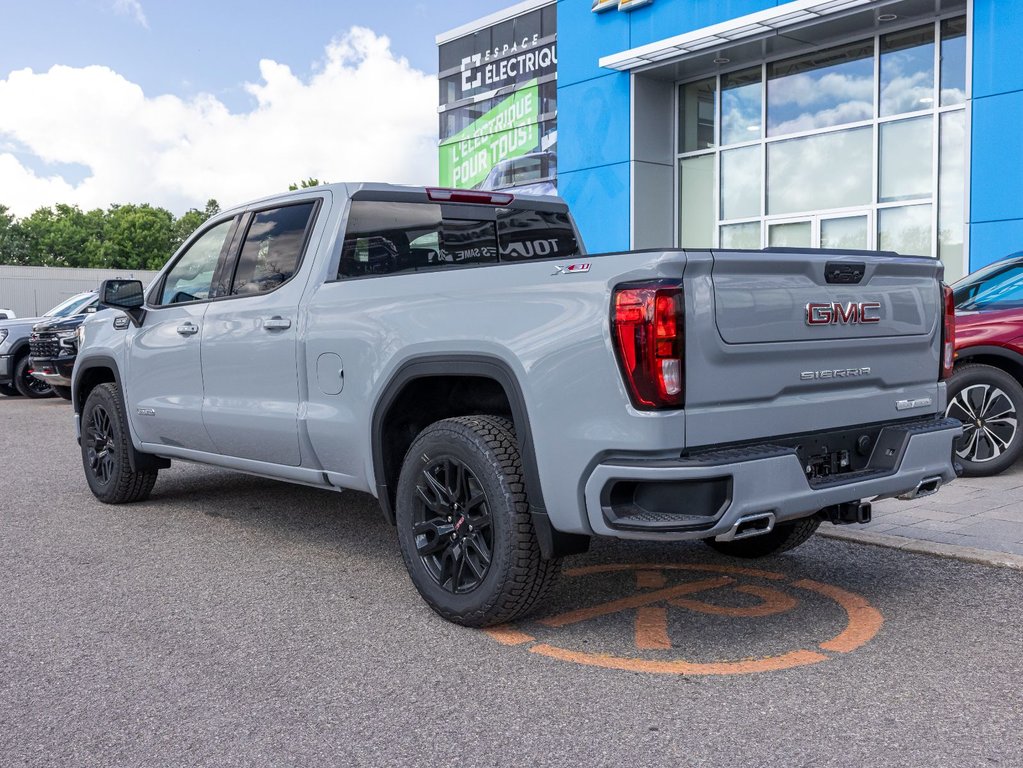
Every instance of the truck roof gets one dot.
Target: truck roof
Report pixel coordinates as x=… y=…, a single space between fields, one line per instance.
x=350 y=189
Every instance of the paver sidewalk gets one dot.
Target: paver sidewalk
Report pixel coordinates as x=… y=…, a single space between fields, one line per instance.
x=978 y=513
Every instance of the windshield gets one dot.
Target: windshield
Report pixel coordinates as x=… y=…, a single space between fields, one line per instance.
x=72 y=306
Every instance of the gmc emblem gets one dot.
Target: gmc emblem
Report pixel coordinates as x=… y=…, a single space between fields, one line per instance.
x=837 y=313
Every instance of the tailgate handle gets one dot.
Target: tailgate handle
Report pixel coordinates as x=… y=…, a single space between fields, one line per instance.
x=849 y=273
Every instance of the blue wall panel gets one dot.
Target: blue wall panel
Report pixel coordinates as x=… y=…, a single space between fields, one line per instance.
x=599 y=200
x=996 y=153
x=593 y=122
x=583 y=37
x=667 y=19
x=991 y=240
x=997 y=53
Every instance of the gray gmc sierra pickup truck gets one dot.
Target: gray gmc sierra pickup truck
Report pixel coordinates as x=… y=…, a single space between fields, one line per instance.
x=506 y=396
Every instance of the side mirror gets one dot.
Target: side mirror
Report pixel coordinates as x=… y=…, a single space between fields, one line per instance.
x=124 y=294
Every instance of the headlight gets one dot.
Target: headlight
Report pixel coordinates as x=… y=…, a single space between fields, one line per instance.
x=67 y=339
x=80 y=335
x=3 y=335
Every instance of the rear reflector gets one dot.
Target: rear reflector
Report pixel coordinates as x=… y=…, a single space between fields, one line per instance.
x=948 y=332
x=648 y=331
x=443 y=195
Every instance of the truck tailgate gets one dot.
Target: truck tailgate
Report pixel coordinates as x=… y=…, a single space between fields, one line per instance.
x=785 y=342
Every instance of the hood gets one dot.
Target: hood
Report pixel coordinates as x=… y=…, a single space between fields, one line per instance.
x=53 y=324
x=20 y=323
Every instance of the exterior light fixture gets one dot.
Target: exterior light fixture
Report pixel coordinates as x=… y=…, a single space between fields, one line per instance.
x=721 y=60
x=887 y=16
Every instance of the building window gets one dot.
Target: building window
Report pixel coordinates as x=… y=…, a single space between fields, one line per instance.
x=860 y=145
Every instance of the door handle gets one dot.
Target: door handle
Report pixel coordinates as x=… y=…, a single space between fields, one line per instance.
x=276 y=323
x=188 y=329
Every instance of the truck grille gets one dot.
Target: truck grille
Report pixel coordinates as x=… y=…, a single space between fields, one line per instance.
x=43 y=345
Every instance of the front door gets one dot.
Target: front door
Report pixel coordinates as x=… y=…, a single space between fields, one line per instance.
x=250 y=342
x=164 y=377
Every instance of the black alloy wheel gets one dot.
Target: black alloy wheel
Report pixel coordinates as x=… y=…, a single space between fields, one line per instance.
x=464 y=525
x=987 y=400
x=27 y=384
x=106 y=445
x=100 y=445
x=453 y=528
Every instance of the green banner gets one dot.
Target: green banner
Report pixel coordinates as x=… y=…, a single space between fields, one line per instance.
x=508 y=130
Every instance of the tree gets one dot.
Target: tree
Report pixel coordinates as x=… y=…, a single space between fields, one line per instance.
x=192 y=219
x=13 y=244
x=136 y=237
x=306 y=184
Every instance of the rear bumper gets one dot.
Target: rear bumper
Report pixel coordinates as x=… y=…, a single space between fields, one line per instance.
x=707 y=495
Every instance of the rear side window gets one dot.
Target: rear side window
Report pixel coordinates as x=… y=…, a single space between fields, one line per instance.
x=387 y=237
x=273 y=249
x=383 y=238
x=525 y=234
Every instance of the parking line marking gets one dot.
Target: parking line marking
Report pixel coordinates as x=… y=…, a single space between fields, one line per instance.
x=864 y=619
x=650 y=579
x=508 y=636
x=652 y=628
x=772 y=601
x=635 y=601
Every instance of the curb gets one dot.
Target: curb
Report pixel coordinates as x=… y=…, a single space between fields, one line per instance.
x=933 y=548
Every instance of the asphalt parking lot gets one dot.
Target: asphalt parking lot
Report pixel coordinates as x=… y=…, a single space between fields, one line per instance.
x=232 y=620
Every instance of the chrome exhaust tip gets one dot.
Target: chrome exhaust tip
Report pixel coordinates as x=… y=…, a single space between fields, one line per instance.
x=750 y=525
x=926 y=487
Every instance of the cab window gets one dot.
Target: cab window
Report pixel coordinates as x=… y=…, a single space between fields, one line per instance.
x=273 y=249
x=191 y=277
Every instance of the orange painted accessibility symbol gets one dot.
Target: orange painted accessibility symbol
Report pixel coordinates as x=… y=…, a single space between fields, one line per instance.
x=658 y=591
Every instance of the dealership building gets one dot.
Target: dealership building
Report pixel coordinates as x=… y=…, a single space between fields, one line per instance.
x=890 y=124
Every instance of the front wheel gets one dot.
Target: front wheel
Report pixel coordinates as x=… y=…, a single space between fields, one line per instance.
x=987 y=400
x=105 y=446
x=783 y=537
x=464 y=526
x=27 y=384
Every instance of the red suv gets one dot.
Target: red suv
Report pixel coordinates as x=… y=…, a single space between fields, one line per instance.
x=985 y=391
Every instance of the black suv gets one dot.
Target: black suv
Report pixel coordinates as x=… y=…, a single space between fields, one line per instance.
x=53 y=346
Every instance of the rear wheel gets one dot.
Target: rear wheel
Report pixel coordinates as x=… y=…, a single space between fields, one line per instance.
x=64 y=392
x=464 y=526
x=10 y=390
x=783 y=537
x=987 y=400
x=27 y=384
x=105 y=446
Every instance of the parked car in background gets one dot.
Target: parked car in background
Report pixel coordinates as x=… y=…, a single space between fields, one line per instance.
x=532 y=174
x=53 y=346
x=15 y=376
x=985 y=391
x=6 y=314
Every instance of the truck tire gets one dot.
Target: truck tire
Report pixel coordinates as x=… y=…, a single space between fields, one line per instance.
x=10 y=390
x=27 y=384
x=64 y=392
x=988 y=401
x=105 y=446
x=464 y=527
x=784 y=537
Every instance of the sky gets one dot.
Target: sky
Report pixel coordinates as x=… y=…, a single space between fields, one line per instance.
x=172 y=102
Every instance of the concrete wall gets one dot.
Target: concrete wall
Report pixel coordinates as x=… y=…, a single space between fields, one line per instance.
x=30 y=291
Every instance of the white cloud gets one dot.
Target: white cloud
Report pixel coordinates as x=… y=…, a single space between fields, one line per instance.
x=364 y=115
x=132 y=8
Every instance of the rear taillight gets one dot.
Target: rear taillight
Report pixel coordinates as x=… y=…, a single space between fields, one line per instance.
x=648 y=332
x=948 y=333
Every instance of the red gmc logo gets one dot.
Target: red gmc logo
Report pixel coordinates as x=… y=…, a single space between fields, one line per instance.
x=837 y=313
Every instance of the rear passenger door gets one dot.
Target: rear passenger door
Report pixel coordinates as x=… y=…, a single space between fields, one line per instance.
x=249 y=339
